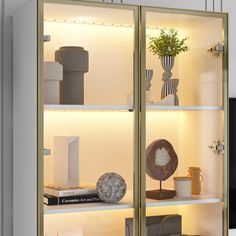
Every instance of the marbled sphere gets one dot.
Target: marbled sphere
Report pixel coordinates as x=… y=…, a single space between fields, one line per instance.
x=111 y=187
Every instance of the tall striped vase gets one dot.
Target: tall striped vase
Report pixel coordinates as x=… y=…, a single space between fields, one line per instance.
x=170 y=85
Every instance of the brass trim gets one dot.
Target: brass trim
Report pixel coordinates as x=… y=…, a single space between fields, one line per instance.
x=40 y=165
x=136 y=164
x=142 y=120
x=225 y=127
x=224 y=17
x=136 y=87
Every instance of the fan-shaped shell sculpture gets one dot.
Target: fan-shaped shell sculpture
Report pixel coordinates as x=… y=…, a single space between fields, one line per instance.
x=162 y=160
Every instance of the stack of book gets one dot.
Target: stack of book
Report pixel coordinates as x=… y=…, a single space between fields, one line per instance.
x=54 y=195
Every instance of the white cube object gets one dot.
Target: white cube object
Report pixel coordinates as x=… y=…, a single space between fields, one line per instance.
x=183 y=186
x=66 y=161
x=53 y=74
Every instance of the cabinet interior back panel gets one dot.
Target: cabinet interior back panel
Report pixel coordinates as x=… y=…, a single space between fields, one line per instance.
x=196 y=220
x=110 y=44
x=198 y=71
x=106 y=143
x=202 y=219
x=190 y=134
x=108 y=35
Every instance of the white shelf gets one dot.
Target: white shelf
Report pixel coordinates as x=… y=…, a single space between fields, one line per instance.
x=126 y=203
x=198 y=199
x=149 y=107
x=60 y=107
x=153 y=107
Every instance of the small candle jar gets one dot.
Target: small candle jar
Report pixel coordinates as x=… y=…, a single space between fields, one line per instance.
x=183 y=186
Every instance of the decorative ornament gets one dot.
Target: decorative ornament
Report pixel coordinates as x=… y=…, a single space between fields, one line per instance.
x=162 y=162
x=111 y=187
x=170 y=85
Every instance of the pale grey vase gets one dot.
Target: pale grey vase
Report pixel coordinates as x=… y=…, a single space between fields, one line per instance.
x=75 y=64
x=170 y=85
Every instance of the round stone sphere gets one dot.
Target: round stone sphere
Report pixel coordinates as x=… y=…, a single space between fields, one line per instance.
x=111 y=187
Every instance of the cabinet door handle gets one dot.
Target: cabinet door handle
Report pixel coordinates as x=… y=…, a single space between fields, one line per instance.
x=46 y=38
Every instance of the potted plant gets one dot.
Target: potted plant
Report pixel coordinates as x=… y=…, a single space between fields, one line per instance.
x=168 y=43
x=167 y=46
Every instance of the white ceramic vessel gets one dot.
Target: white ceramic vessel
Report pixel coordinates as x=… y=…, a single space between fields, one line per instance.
x=53 y=74
x=183 y=186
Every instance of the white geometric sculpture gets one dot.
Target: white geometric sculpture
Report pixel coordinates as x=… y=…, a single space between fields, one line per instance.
x=66 y=161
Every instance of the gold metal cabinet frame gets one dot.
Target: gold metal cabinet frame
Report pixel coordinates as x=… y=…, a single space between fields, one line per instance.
x=139 y=106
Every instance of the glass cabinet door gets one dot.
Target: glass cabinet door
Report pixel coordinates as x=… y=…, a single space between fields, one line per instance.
x=90 y=75
x=135 y=115
x=184 y=90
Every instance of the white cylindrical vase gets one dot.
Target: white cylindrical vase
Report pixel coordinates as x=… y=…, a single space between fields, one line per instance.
x=183 y=186
x=53 y=74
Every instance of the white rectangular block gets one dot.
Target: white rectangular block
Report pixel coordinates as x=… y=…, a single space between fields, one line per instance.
x=66 y=161
x=232 y=232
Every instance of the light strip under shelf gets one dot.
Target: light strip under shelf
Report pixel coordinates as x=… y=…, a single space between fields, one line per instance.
x=97 y=24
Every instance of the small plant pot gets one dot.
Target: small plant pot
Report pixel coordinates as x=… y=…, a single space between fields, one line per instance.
x=75 y=64
x=53 y=74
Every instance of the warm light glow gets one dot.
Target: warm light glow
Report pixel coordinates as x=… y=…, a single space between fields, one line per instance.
x=101 y=223
x=89 y=22
x=84 y=19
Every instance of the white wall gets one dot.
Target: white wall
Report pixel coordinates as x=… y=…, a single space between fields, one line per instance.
x=6 y=129
x=7 y=174
x=7 y=9
x=25 y=121
x=230 y=6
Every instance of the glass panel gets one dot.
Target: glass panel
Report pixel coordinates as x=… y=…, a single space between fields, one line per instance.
x=197 y=73
x=108 y=37
x=184 y=117
x=89 y=121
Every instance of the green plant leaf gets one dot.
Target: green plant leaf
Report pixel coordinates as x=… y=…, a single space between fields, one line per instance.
x=168 y=43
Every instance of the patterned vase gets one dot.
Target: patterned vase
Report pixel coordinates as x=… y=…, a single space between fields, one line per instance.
x=147 y=85
x=170 y=85
x=167 y=63
x=149 y=75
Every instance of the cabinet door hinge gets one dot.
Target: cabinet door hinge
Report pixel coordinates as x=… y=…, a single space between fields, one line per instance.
x=217 y=49
x=217 y=147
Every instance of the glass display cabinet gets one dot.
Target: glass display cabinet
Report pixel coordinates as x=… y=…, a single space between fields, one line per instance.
x=159 y=121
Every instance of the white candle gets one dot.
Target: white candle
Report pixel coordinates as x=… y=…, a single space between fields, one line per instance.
x=183 y=186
